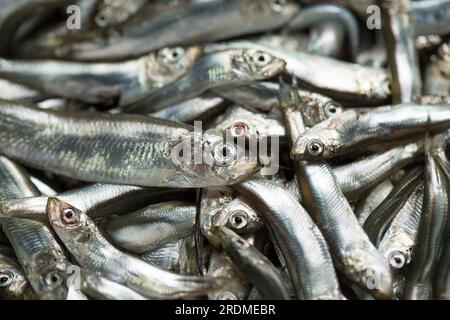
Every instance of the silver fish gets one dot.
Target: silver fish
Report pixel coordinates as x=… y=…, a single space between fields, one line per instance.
x=152 y=227
x=302 y=245
x=348 y=82
x=218 y=69
x=108 y=84
x=100 y=148
x=351 y=129
x=263 y=275
x=82 y=238
x=432 y=226
x=100 y=288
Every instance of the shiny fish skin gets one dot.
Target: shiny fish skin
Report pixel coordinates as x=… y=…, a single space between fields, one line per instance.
x=403 y=59
x=356 y=178
x=327 y=39
x=380 y=218
x=101 y=288
x=350 y=247
x=107 y=84
x=193 y=109
x=14 y=12
x=152 y=227
x=38 y=252
x=349 y=82
x=233 y=66
x=82 y=238
x=167 y=257
x=263 y=275
x=237 y=286
x=442 y=278
x=304 y=249
x=373 y=200
x=399 y=239
x=432 y=225
x=431 y=17
x=351 y=129
x=97 y=200
x=186 y=25
x=122 y=149
x=321 y=12
x=13 y=282
x=13 y=91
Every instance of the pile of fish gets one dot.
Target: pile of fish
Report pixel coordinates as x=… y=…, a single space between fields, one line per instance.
x=224 y=149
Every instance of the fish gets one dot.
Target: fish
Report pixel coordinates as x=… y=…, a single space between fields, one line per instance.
x=263 y=275
x=349 y=82
x=218 y=69
x=354 y=255
x=381 y=217
x=237 y=286
x=350 y=130
x=14 y=13
x=198 y=108
x=13 y=282
x=398 y=31
x=182 y=26
x=114 y=13
x=366 y=205
x=399 y=240
x=42 y=258
x=101 y=288
x=356 y=178
x=98 y=149
x=167 y=257
x=432 y=226
x=16 y=92
x=340 y=16
x=240 y=122
x=94 y=253
x=152 y=227
x=106 y=84
x=303 y=247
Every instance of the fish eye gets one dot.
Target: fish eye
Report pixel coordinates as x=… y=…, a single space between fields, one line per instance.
x=315 y=147
x=54 y=279
x=238 y=220
x=69 y=216
x=6 y=277
x=224 y=153
x=278 y=5
x=239 y=129
x=332 y=109
x=102 y=19
x=261 y=59
x=171 y=55
x=227 y=295
x=397 y=259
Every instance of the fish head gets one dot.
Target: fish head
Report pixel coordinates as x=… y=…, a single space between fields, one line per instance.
x=49 y=270
x=69 y=223
x=316 y=145
x=239 y=217
x=316 y=108
x=252 y=64
x=212 y=161
x=170 y=63
x=378 y=281
x=12 y=281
